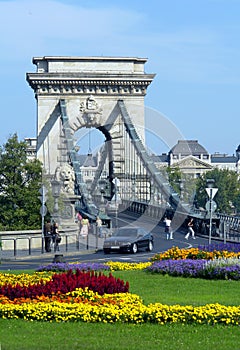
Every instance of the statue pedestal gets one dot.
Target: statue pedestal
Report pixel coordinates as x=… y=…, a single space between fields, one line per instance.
x=68 y=214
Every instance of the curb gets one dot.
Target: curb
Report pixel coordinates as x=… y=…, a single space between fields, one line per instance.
x=51 y=255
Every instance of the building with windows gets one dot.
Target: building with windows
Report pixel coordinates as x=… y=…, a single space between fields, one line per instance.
x=190 y=157
x=225 y=161
x=31 y=147
x=194 y=160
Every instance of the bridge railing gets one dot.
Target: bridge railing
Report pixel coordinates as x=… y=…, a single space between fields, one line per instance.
x=17 y=244
x=230 y=227
x=225 y=228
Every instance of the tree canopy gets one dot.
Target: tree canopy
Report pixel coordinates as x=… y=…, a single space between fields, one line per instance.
x=228 y=195
x=20 y=182
x=194 y=190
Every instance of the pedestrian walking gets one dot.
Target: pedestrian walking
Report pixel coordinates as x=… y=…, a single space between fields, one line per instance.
x=99 y=226
x=78 y=218
x=190 y=229
x=168 y=228
x=48 y=236
x=84 y=227
x=56 y=238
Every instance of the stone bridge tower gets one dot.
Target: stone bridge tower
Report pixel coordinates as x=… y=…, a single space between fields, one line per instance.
x=77 y=92
x=91 y=87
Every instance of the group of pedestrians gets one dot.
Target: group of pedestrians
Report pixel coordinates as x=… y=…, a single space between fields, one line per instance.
x=84 y=225
x=169 y=231
x=52 y=236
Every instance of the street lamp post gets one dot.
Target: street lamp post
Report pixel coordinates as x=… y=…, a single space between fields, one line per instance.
x=181 y=187
x=43 y=210
x=56 y=188
x=116 y=195
x=102 y=185
x=211 y=191
x=102 y=191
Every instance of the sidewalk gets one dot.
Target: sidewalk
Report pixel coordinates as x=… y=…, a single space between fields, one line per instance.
x=67 y=247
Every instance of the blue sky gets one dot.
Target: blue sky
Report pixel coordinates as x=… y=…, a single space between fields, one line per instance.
x=193 y=47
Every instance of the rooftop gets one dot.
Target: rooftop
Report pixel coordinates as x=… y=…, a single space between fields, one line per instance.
x=188 y=147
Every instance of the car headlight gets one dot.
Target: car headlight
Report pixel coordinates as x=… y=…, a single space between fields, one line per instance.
x=125 y=243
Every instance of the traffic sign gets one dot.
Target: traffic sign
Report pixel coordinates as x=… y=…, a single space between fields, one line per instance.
x=43 y=199
x=116 y=182
x=43 y=210
x=211 y=192
x=214 y=206
x=43 y=190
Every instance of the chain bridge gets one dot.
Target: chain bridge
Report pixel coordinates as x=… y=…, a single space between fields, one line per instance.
x=106 y=93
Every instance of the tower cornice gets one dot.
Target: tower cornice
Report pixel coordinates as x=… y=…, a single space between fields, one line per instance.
x=61 y=83
x=95 y=75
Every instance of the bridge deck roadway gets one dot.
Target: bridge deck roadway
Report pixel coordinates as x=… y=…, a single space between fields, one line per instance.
x=91 y=251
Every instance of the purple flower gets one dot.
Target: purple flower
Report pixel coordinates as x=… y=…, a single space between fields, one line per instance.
x=66 y=266
x=223 y=272
x=184 y=268
x=230 y=247
x=195 y=268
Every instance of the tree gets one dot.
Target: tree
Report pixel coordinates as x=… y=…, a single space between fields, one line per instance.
x=228 y=195
x=174 y=176
x=183 y=184
x=19 y=186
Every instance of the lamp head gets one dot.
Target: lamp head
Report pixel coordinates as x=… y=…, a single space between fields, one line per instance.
x=56 y=188
x=210 y=183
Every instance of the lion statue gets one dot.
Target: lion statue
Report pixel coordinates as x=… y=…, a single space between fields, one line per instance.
x=66 y=176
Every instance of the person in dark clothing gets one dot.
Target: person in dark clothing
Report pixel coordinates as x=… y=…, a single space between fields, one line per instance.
x=190 y=229
x=48 y=236
x=56 y=237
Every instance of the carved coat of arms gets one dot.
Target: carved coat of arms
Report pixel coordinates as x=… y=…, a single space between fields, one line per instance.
x=91 y=111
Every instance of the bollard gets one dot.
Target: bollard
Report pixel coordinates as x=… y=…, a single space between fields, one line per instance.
x=15 y=247
x=58 y=258
x=29 y=245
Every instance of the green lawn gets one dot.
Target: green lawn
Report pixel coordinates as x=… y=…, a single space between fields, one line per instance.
x=179 y=290
x=21 y=335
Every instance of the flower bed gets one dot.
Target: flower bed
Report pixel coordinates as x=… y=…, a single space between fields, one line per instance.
x=87 y=306
x=79 y=266
x=83 y=294
x=195 y=268
x=111 y=265
x=65 y=282
x=216 y=261
x=209 y=252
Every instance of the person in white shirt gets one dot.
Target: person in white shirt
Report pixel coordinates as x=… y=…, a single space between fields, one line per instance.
x=168 y=228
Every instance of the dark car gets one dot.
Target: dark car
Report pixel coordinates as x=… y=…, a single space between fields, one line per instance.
x=128 y=239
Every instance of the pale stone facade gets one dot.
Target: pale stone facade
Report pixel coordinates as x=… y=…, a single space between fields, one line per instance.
x=91 y=87
x=193 y=159
x=89 y=91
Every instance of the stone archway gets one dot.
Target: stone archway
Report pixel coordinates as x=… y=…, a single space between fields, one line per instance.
x=91 y=88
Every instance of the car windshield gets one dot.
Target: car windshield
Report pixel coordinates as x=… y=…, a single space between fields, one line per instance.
x=129 y=232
